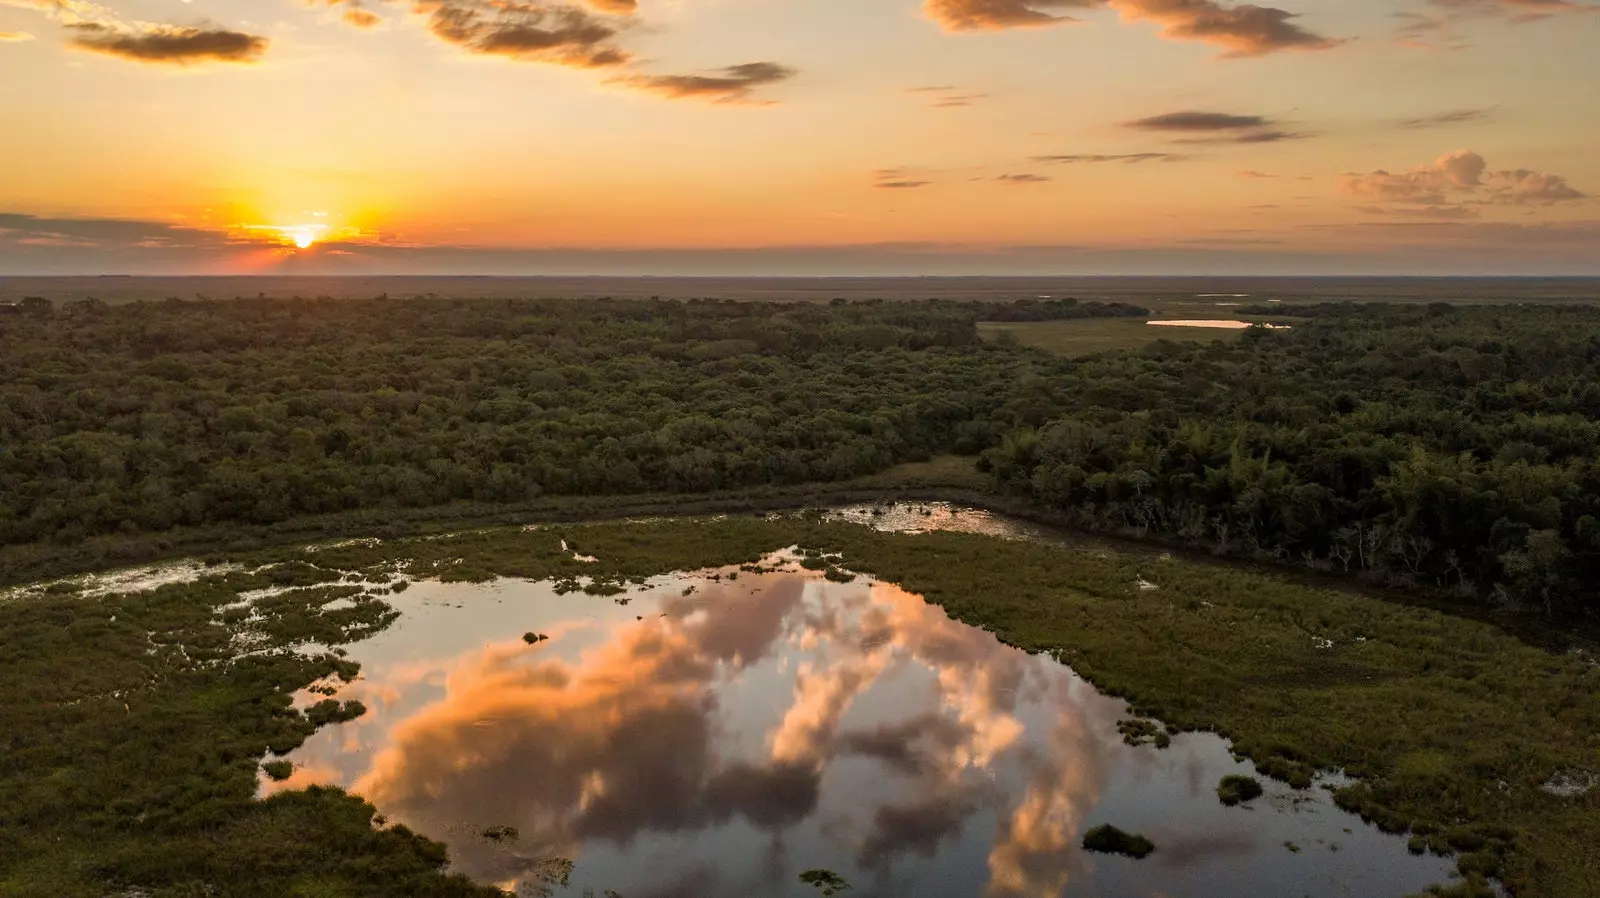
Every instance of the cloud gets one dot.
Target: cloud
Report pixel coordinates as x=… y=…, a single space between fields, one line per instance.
x=1253 y=175
x=898 y=179
x=530 y=30
x=1096 y=158
x=1024 y=178
x=362 y=18
x=993 y=15
x=1442 y=119
x=733 y=84
x=948 y=96
x=1240 y=29
x=1461 y=177
x=1198 y=121
x=14 y=37
x=1438 y=212
x=168 y=44
x=1435 y=24
x=1216 y=127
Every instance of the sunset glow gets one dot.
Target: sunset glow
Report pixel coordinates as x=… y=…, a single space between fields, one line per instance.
x=797 y=136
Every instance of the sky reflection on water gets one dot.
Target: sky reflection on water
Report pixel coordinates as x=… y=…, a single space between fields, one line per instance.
x=714 y=744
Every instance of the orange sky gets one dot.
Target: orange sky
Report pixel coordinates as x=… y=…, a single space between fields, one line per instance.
x=1043 y=136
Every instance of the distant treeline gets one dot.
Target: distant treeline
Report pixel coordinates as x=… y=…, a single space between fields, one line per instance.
x=1457 y=446
x=148 y=416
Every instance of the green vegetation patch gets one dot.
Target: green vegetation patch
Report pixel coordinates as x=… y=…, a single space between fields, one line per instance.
x=1236 y=789
x=826 y=881
x=1107 y=839
x=1141 y=731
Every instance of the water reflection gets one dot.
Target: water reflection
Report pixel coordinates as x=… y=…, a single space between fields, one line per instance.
x=712 y=737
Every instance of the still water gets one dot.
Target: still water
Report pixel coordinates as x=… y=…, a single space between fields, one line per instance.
x=712 y=734
x=1219 y=323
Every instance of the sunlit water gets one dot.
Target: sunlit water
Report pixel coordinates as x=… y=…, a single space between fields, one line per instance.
x=713 y=737
x=1219 y=323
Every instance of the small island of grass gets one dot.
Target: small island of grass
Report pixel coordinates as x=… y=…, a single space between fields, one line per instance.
x=1107 y=839
x=1237 y=788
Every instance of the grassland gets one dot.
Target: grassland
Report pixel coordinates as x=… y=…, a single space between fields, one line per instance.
x=135 y=727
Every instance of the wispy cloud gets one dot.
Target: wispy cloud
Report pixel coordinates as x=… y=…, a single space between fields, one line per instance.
x=733 y=84
x=1099 y=158
x=14 y=37
x=1445 y=119
x=1216 y=127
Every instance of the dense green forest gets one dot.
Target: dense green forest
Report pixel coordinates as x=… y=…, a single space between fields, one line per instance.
x=1452 y=445
x=149 y=416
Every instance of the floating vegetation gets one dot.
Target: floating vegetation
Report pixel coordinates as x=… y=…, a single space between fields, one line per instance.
x=1237 y=788
x=279 y=770
x=1107 y=839
x=839 y=575
x=825 y=881
x=332 y=711
x=1143 y=731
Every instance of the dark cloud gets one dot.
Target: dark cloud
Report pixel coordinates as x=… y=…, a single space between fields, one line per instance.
x=532 y=31
x=917 y=828
x=1442 y=119
x=1198 y=121
x=1216 y=127
x=731 y=85
x=1095 y=158
x=167 y=44
x=1023 y=178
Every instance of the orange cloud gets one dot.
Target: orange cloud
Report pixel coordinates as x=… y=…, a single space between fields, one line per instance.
x=1241 y=29
x=168 y=44
x=1462 y=176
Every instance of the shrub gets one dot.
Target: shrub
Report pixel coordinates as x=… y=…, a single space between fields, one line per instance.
x=1107 y=839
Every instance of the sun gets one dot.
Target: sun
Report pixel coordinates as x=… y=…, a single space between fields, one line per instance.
x=303 y=238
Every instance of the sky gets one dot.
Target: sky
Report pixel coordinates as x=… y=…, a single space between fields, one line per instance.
x=807 y=137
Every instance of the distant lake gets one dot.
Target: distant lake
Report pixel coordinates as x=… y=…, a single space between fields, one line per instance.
x=1222 y=323
x=713 y=733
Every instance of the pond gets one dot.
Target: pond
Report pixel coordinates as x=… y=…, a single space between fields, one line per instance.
x=715 y=733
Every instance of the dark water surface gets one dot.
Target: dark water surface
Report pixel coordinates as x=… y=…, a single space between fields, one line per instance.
x=713 y=737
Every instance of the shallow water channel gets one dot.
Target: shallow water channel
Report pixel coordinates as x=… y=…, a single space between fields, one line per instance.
x=712 y=734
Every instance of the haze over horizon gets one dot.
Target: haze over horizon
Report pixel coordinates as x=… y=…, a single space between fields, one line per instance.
x=799 y=137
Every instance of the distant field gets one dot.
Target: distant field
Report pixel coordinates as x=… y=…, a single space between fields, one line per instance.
x=1150 y=291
